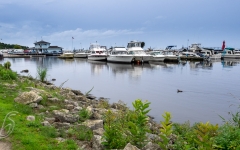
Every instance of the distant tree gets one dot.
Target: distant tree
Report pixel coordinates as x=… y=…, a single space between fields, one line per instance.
x=12 y=46
x=17 y=47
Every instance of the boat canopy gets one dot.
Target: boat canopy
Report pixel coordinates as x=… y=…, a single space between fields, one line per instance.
x=229 y=48
x=170 y=47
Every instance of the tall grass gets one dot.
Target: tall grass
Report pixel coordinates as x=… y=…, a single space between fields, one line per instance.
x=42 y=73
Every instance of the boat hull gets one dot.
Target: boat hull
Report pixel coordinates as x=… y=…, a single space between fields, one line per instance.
x=97 y=57
x=142 y=58
x=158 y=58
x=120 y=59
x=235 y=56
x=80 y=55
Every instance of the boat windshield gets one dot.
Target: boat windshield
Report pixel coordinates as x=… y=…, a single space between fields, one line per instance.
x=119 y=52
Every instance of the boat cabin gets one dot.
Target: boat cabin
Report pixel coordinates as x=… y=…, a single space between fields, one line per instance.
x=119 y=51
x=135 y=44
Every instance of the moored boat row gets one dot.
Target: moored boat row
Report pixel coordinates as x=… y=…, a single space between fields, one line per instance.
x=135 y=53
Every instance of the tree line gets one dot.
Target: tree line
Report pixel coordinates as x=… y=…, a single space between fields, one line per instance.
x=12 y=46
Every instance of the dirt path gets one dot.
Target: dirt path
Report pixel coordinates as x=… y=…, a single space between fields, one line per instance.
x=5 y=145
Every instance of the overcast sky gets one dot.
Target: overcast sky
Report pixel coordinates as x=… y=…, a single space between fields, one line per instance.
x=158 y=23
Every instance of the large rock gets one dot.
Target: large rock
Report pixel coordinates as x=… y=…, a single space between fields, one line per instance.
x=31 y=118
x=151 y=146
x=64 y=116
x=28 y=97
x=99 y=131
x=97 y=142
x=129 y=146
x=94 y=124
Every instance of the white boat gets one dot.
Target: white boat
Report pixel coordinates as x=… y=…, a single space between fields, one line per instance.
x=82 y=54
x=209 y=53
x=135 y=48
x=66 y=55
x=120 y=54
x=171 y=55
x=97 y=52
x=231 y=53
x=195 y=48
x=157 y=55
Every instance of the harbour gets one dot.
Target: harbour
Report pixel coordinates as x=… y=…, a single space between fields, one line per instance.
x=209 y=88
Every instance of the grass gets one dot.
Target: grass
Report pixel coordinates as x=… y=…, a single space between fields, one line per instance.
x=42 y=73
x=28 y=135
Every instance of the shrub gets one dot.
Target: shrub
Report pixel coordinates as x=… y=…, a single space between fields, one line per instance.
x=83 y=115
x=83 y=133
x=228 y=137
x=6 y=74
x=7 y=65
x=126 y=126
x=166 y=130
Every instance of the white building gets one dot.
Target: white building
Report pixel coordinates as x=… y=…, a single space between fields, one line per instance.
x=44 y=47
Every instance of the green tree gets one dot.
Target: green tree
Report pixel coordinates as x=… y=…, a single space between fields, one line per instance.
x=17 y=47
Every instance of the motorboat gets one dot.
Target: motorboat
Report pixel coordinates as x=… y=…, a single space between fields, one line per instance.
x=81 y=54
x=97 y=52
x=171 y=55
x=135 y=48
x=231 y=53
x=120 y=54
x=157 y=55
x=66 y=55
x=209 y=53
x=195 y=48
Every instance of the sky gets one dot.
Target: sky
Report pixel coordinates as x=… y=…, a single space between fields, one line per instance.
x=158 y=23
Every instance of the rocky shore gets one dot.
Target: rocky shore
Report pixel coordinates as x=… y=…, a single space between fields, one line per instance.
x=62 y=113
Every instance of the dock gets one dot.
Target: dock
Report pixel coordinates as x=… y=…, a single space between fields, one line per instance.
x=21 y=55
x=192 y=58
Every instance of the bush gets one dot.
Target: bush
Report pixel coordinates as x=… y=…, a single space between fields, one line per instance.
x=126 y=126
x=83 y=115
x=7 y=74
x=7 y=65
x=228 y=137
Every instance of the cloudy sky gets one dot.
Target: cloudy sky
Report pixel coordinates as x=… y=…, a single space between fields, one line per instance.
x=158 y=23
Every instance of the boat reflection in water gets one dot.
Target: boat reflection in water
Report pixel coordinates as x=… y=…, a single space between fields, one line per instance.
x=230 y=62
x=157 y=64
x=97 y=66
x=120 y=68
x=201 y=64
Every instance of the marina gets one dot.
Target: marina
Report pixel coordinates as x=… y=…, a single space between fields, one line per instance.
x=209 y=88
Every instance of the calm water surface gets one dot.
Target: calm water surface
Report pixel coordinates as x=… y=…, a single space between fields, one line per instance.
x=209 y=89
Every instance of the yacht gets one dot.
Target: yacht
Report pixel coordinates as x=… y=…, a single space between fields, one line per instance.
x=82 y=54
x=157 y=55
x=135 y=48
x=170 y=54
x=66 y=55
x=120 y=54
x=230 y=53
x=209 y=53
x=97 y=52
x=195 y=48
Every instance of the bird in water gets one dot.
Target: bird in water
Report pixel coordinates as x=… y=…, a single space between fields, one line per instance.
x=178 y=91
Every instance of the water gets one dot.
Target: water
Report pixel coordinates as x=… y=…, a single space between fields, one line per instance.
x=209 y=89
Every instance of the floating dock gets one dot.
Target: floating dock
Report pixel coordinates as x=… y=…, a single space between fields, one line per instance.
x=21 y=56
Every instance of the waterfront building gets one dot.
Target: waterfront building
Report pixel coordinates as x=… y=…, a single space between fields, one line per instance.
x=43 y=47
